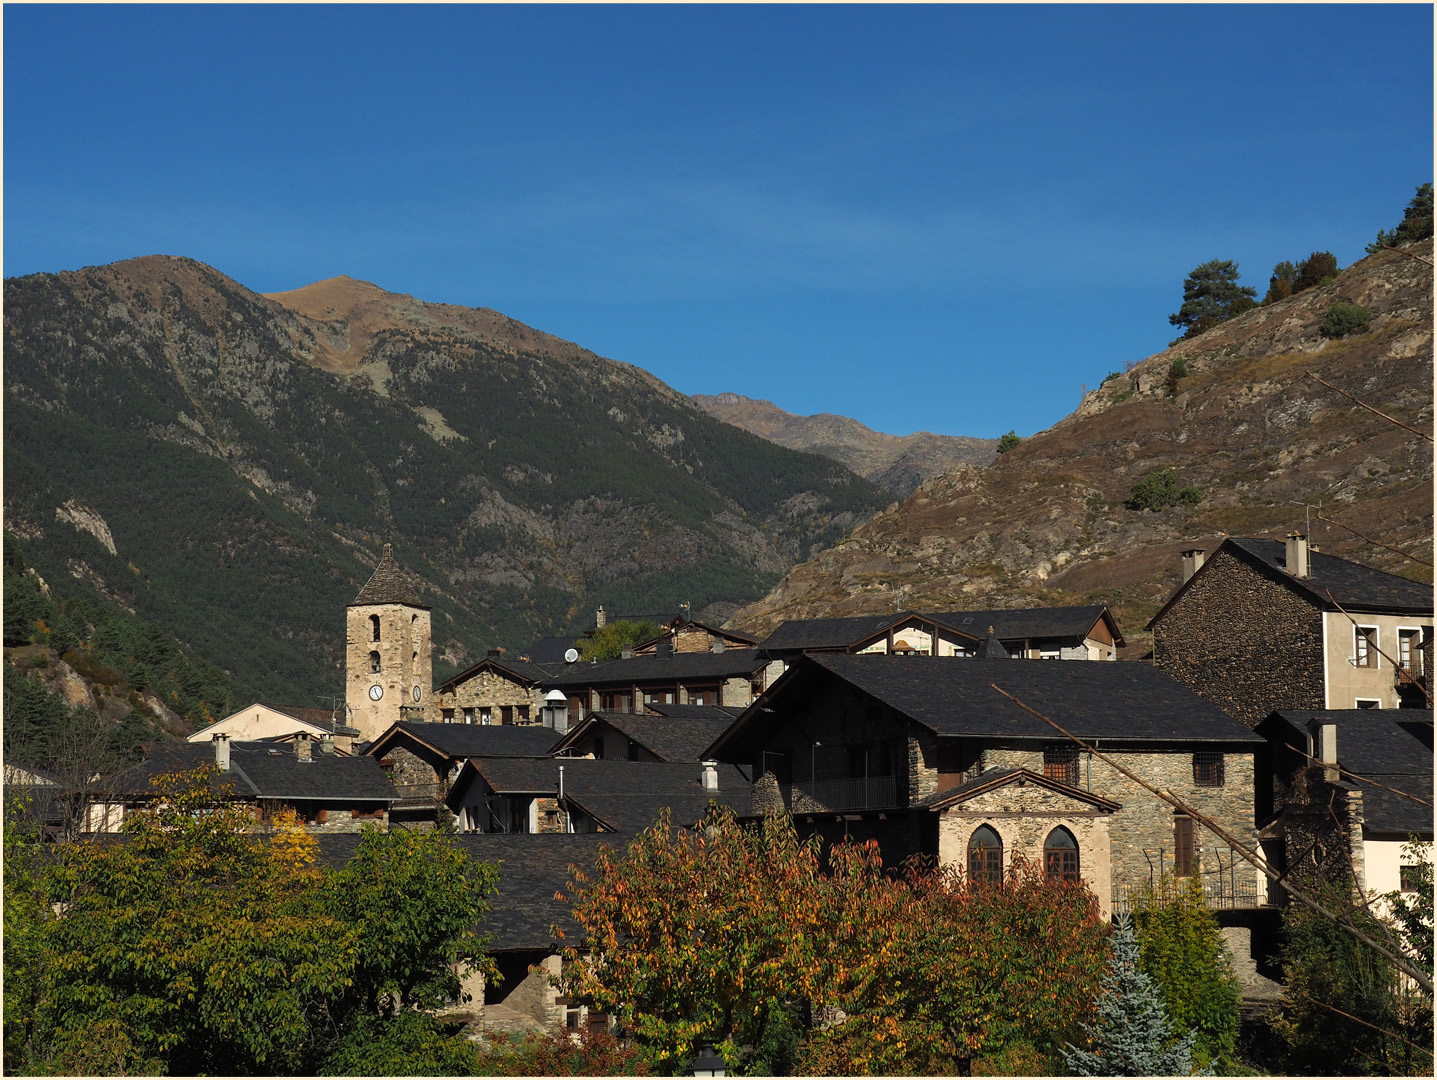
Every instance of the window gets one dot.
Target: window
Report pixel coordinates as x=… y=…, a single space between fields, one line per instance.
x=633 y=750
x=621 y=701
x=1060 y=763
x=1364 y=646
x=1050 y=652
x=658 y=697
x=1184 y=846
x=506 y=714
x=1208 y=769
x=1407 y=878
x=486 y=715
x=523 y=714
x=448 y=715
x=703 y=695
x=985 y=857
x=374 y=662
x=374 y=628
x=1367 y=703
x=1407 y=649
x=469 y=715
x=1060 y=855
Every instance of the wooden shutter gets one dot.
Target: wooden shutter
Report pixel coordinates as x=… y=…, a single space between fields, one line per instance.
x=1185 y=853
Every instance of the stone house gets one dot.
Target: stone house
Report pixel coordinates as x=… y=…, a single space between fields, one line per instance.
x=331 y=792
x=927 y=757
x=688 y=636
x=421 y=760
x=263 y=720
x=494 y=691
x=730 y=678
x=1081 y=632
x=1342 y=791
x=1265 y=625
x=576 y=795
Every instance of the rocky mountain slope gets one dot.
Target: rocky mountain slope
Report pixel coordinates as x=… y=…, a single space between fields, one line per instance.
x=1261 y=439
x=896 y=463
x=228 y=466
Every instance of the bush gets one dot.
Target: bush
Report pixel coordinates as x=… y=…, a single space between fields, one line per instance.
x=1159 y=490
x=1343 y=319
x=558 y=1053
x=1179 y=369
x=1007 y=442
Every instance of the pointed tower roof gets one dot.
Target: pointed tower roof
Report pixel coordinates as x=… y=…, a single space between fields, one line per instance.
x=388 y=585
x=993 y=648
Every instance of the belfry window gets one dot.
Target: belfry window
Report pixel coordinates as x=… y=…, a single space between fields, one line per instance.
x=374 y=628
x=374 y=662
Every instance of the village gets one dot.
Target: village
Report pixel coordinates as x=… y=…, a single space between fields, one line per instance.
x=1282 y=720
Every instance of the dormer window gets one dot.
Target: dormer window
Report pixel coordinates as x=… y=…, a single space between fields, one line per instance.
x=374 y=629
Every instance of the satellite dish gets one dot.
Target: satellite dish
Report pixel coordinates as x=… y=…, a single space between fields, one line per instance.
x=571 y=655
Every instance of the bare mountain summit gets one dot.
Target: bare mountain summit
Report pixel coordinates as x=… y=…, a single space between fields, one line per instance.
x=896 y=463
x=1259 y=437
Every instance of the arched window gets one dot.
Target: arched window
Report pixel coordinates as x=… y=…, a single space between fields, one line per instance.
x=985 y=856
x=374 y=662
x=1060 y=855
x=374 y=628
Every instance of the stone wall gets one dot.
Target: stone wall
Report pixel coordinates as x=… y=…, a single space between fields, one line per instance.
x=404 y=664
x=1143 y=833
x=488 y=690
x=413 y=776
x=1242 y=641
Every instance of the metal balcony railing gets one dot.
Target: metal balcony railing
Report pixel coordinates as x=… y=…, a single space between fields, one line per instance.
x=859 y=793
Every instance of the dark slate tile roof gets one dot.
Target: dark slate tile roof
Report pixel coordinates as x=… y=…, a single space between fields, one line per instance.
x=829 y=633
x=697 y=712
x=476 y=740
x=263 y=770
x=1019 y=623
x=952 y=696
x=632 y=813
x=388 y=585
x=1392 y=747
x=548 y=650
x=523 y=671
x=734 y=663
x=671 y=738
x=532 y=868
x=1353 y=585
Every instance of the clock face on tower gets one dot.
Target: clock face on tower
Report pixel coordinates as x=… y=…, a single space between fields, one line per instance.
x=376 y=692
x=416 y=693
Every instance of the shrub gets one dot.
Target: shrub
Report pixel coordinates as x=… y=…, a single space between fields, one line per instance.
x=1159 y=490
x=1179 y=369
x=1007 y=442
x=558 y=1053
x=1343 y=319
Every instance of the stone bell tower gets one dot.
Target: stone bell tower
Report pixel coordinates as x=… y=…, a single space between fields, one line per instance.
x=387 y=674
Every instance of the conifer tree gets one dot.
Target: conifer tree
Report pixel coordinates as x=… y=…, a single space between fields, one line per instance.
x=1132 y=1035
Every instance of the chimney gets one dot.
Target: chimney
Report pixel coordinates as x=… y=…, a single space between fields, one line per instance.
x=626 y=653
x=326 y=744
x=710 y=775
x=222 y=753
x=600 y=619
x=1192 y=562
x=1297 y=555
x=718 y=646
x=494 y=654
x=561 y=783
x=556 y=711
x=302 y=748
x=1323 y=734
x=665 y=650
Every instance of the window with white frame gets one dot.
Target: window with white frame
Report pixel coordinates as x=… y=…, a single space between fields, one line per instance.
x=1367 y=703
x=1364 y=646
x=1409 y=651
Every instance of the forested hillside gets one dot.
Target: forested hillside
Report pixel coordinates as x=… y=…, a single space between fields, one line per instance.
x=228 y=467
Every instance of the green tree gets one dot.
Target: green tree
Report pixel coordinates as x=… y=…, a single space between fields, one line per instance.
x=1132 y=1035
x=608 y=643
x=1211 y=293
x=1159 y=489
x=1008 y=441
x=1317 y=269
x=1182 y=950
x=1416 y=223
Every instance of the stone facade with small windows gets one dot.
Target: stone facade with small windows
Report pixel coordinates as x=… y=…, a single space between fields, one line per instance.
x=486 y=697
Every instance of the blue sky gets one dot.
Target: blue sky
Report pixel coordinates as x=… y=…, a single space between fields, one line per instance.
x=938 y=218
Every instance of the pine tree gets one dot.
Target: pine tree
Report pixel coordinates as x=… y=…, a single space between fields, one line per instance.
x=1132 y=1036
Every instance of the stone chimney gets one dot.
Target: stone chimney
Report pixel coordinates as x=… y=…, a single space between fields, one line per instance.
x=719 y=645
x=1324 y=746
x=626 y=653
x=302 y=748
x=709 y=775
x=222 y=753
x=1297 y=555
x=326 y=744
x=1192 y=562
x=600 y=619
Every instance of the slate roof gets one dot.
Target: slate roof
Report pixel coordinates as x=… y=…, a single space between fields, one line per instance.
x=1392 y=747
x=671 y=738
x=1027 y=623
x=523 y=671
x=696 y=712
x=532 y=868
x=1009 y=774
x=830 y=633
x=733 y=663
x=1132 y=702
x=549 y=650
x=1355 y=587
x=263 y=770
x=473 y=740
x=388 y=585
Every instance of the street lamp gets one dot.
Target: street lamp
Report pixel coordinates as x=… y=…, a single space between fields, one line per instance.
x=708 y=1063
